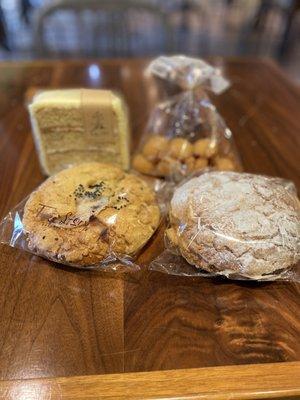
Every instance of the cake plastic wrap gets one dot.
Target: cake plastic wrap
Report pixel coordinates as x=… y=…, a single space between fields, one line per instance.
x=236 y=225
x=90 y=216
x=185 y=133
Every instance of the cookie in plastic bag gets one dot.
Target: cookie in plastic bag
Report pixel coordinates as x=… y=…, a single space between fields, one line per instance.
x=238 y=225
x=90 y=215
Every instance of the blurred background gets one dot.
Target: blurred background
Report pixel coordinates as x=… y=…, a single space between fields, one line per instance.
x=32 y=29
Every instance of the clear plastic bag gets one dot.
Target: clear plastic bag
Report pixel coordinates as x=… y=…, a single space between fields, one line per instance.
x=235 y=225
x=89 y=216
x=185 y=133
x=180 y=73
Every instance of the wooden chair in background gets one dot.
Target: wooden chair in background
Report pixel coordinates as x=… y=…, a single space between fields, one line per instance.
x=119 y=28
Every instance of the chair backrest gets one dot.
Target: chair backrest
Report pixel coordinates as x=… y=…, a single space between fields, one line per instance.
x=120 y=28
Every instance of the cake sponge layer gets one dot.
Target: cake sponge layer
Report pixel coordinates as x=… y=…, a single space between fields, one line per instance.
x=76 y=125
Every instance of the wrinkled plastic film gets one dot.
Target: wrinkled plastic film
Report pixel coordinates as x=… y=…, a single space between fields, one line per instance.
x=188 y=73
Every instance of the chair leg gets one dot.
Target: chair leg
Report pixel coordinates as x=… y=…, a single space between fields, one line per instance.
x=285 y=41
x=185 y=8
x=261 y=14
x=25 y=7
x=3 y=34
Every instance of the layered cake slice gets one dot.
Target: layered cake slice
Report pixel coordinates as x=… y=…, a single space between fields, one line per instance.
x=71 y=126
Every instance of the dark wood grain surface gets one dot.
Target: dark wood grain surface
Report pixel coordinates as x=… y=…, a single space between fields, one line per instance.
x=63 y=322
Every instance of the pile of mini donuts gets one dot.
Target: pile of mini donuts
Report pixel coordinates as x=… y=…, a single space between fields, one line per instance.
x=163 y=157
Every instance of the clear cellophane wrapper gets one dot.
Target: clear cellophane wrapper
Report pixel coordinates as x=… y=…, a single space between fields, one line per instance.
x=98 y=220
x=185 y=133
x=197 y=248
x=180 y=73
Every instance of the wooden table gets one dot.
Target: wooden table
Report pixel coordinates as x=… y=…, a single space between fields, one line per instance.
x=59 y=322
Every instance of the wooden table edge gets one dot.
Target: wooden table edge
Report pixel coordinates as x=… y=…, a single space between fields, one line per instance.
x=251 y=381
